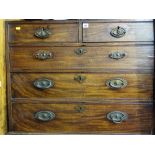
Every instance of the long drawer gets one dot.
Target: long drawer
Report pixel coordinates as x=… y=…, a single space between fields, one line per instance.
x=109 y=32
x=89 y=85
x=78 y=59
x=24 y=33
x=75 y=118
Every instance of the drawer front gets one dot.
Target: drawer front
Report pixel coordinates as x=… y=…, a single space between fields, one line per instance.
x=107 y=32
x=23 y=33
x=45 y=59
x=69 y=85
x=93 y=118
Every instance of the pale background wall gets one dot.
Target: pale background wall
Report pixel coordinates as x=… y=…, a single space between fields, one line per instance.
x=2 y=80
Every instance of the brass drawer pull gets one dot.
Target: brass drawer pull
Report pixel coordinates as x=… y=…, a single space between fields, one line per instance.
x=80 y=78
x=80 y=51
x=43 y=83
x=117 y=55
x=118 y=32
x=42 y=33
x=44 y=116
x=117 y=116
x=43 y=55
x=116 y=83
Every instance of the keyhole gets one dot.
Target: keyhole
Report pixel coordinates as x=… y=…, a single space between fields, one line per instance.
x=80 y=51
x=79 y=108
x=80 y=78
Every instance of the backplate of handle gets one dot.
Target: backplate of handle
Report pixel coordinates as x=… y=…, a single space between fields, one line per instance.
x=44 y=116
x=118 y=32
x=117 y=116
x=43 y=83
x=42 y=33
x=43 y=55
x=117 y=55
x=116 y=83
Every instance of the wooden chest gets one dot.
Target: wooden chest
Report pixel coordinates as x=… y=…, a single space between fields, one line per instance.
x=80 y=76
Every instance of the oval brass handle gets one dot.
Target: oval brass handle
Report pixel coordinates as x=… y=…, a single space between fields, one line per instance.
x=116 y=83
x=42 y=33
x=117 y=55
x=44 y=116
x=80 y=51
x=80 y=78
x=117 y=116
x=43 y=55
x=118 y=32
x=43 y=83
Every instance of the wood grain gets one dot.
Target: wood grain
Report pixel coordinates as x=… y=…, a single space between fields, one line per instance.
x=3 y=122
x=91 y=120
x=24 y=100
x=95 y=58
x=60 y=33
x=67 y=44
x=100 y=32
x=139 y=86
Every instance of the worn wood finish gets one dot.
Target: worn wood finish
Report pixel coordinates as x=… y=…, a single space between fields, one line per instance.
x=60 y=33
x=91 y=120
x=95 y=58
x=100 y=32
x=3 y=126
x=92 y=94
x=139 y=86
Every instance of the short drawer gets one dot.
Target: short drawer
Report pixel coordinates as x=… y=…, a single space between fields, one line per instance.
x=77 y=118
x=77 y=86
x=108 y=32
x=60 y=59
x=23 y=33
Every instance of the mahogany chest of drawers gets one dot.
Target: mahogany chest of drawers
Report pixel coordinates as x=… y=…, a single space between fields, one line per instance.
x=80 y=76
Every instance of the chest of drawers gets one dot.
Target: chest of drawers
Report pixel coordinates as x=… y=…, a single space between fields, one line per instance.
x=80 y=76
